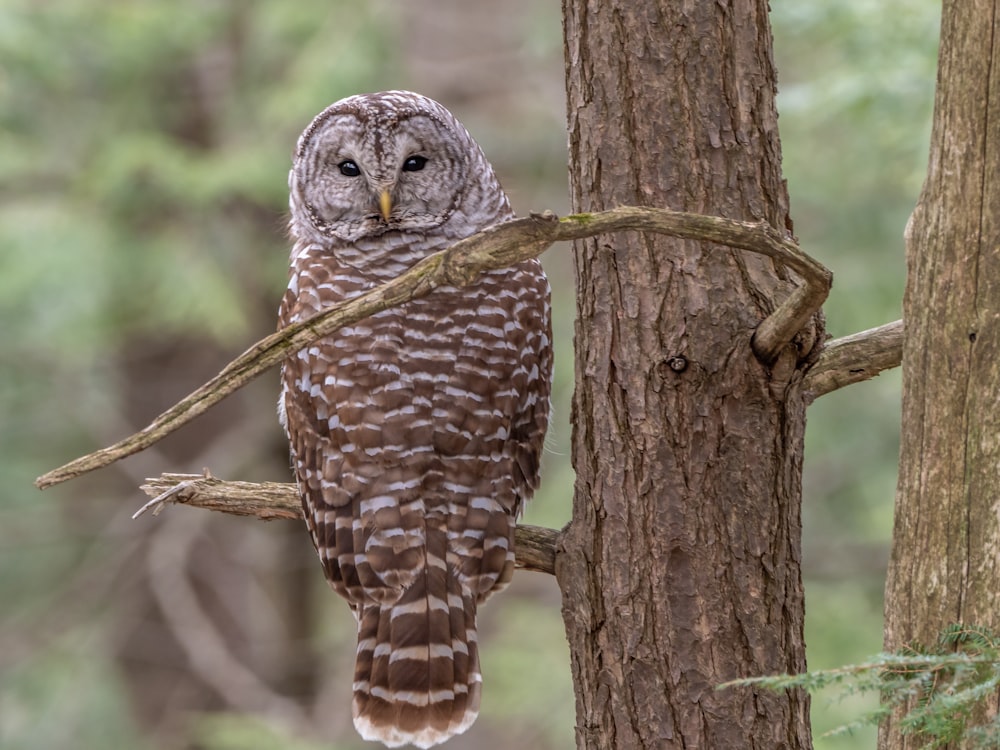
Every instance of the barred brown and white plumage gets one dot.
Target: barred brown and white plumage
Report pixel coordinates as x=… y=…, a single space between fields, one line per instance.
x=415 y=434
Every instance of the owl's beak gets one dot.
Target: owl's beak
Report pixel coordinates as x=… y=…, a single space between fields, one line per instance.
x=385 y=204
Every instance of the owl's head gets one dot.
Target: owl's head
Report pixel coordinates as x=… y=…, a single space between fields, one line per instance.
x=394 y=161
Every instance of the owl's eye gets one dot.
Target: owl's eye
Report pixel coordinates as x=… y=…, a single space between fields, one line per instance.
x=414 y=163
x=349 y=169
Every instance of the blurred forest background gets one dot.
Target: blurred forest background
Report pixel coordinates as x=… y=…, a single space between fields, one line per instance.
x=144 y=149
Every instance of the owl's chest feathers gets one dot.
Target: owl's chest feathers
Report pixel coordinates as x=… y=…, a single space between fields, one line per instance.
x=381 y=259
x=411 y=383
x=445 y=373
x=432 y=330
x=433 y=340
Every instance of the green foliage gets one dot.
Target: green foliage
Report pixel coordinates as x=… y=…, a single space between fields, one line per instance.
x=855 y=94
x=227 y=731
x=65 y=679
x=945 y=690
x=528 y=686
x=142 y=158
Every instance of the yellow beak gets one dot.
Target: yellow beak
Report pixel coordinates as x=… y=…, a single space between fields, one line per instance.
x=385 y=204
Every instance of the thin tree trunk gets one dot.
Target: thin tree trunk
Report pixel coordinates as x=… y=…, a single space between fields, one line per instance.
x=681 y=566
x=945 y=564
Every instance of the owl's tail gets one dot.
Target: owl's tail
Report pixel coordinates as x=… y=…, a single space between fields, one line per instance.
x=417 y=677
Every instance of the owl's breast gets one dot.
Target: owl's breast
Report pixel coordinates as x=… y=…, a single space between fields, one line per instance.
x=424 y=377
x=443 y=377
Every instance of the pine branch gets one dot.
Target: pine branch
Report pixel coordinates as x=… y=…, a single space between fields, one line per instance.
x=534 y=546
x=494 y=248
x=947 y=694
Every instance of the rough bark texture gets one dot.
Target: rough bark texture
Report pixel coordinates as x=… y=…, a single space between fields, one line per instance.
x=681 y=566
x=945 y=564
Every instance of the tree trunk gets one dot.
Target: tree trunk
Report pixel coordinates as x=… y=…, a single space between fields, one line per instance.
x=681 y=566
x=945 y=564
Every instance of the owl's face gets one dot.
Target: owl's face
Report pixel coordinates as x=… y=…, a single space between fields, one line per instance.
x=379 y=163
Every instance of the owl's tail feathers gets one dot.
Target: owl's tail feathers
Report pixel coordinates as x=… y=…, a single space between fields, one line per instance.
x=417 y=677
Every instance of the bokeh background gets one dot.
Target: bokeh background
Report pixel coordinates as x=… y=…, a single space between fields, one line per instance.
x=144 y=149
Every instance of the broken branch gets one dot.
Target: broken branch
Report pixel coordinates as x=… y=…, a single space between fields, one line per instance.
x=852 y=359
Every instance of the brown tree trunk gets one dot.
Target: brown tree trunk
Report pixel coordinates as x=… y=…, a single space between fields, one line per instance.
x=945 y=564
x=681 y=567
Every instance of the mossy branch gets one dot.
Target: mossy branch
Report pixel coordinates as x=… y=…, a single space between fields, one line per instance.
x=493 y=248
x=534 y=546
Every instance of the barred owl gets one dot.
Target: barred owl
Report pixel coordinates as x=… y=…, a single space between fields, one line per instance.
x=415 y=434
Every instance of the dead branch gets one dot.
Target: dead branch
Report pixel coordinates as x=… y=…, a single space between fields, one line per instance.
x=852 y=359
x=493 y=248
x=534 y=546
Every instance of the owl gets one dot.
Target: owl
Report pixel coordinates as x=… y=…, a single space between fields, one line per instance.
x=415 y=434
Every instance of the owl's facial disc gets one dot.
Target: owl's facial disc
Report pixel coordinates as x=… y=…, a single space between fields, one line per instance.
x=367 y=176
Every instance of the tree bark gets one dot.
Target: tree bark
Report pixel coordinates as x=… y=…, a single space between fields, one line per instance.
x=681 y=566
x=945 y=564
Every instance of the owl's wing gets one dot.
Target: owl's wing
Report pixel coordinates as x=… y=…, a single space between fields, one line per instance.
x=532 y=418
x=321 y=503
x=360 y=492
